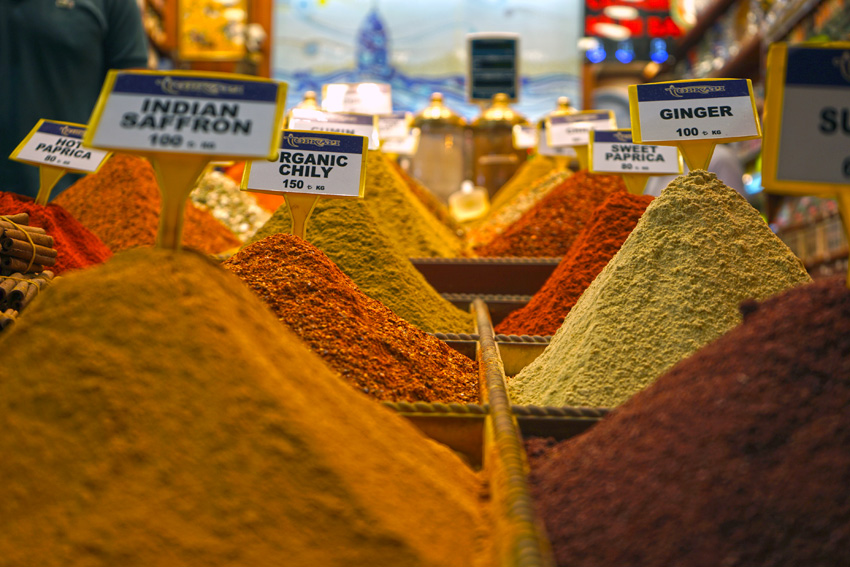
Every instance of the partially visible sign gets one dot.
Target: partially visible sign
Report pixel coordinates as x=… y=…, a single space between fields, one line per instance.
x=544 y=149
x=807 y=119
x=359 y=98
x=59 y=144
x=406 y=146
x=574 y=129
x=720 y=110
x=185 y=112
x=319 y=121
x=319 y=163
x=492 y=65
x=612 y=151
x=395 y=125
x=524 y=136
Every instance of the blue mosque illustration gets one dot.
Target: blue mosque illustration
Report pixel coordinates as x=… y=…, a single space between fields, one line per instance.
x=373 y=61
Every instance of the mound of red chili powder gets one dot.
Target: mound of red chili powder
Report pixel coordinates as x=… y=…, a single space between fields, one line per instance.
x=374 y=349
x=738 y=456
x=76 y=247
x=549 y=227
x=604 y=233
x=121 y=205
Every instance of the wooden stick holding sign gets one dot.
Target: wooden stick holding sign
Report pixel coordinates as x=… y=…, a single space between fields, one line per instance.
x=573 y=130
x=694 y=115
x=806 y=146
x=57 y=148
x=310 y=165
x=613 y=151
x=180 y=121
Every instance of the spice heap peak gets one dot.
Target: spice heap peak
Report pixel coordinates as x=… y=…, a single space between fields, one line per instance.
x=674 y=286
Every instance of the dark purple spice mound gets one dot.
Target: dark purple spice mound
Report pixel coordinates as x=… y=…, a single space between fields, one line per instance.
x=738 y=456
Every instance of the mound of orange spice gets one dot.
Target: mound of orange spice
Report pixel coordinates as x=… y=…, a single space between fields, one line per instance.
x=378 y=352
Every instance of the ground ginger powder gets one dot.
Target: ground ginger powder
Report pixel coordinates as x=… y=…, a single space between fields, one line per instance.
x=674 y=286
x=347 y=232
x=155 y=413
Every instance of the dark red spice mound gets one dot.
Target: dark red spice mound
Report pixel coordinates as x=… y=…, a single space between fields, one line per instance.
x=121 y=205
x=374 y=349
x=76 y=247
x=598 y=242
x=549 y=227
x=738 y=456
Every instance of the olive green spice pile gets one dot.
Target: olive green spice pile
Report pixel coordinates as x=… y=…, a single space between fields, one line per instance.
x=347 y=232
x=374 y=349
x=531 y=170
x=155 y=412
x=402 y=216
x=674 y=286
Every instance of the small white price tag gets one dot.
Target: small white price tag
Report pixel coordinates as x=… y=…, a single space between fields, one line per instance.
x=406 y=146
x=807 y=119
x=320 y=121
x=574 y=129
x=395 y=125
x=359 y=98
x=544 y=149
x=720 y=110
x=319 y=163
x=59 y=144
x=187 y=113
x=612 y=151
x=524 y=136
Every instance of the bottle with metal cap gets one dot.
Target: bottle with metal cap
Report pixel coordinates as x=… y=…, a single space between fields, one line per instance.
x=440 y=159
x=494 y=158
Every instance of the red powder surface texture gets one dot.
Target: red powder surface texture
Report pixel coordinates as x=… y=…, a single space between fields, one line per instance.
x=738 y=456
x=121 y=205
x=76 y=247
x=593 y=248
x=549 y=227
x=378 y=352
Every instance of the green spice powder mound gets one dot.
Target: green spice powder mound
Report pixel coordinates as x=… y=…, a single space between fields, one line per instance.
x=347 y=232
x=402 y=216
x=674 y=286
x=154 y=412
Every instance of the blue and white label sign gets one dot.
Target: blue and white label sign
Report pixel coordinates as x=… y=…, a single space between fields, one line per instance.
x=813 y=125
x=574 y=129
x=59 y=144
x=312 y=162
x=703 y=109
x=190 y=113
x=612 y=151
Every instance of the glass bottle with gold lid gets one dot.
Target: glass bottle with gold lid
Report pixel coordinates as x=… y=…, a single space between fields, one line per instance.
x=494 y=158
x=440 y=159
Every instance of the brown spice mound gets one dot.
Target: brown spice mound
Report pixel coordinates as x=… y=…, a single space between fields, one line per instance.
x=374 y=349
x=738 y=456
x=549 y=227
x=121 y=205
x=594 y=246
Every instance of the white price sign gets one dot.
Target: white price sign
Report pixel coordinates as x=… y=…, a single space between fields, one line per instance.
x=396 y=125
x=524 y=137
x=574 y=129
x=59 y=144
x=406 y=146
x=704 y=109
x=544 y=149
x=807 y=119
x=188 y=113
x=319 y=163
x=359 y=98
x=612 y=151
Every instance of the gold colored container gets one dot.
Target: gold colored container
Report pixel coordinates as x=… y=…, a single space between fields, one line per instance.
x=440 y=159
x=494 y=158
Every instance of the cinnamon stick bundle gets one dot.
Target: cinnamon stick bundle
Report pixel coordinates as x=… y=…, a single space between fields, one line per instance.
x=24 y=251
x=19 y=218
x=7 y=318
x=20 y=226
x=10 y=264
x=40 y=239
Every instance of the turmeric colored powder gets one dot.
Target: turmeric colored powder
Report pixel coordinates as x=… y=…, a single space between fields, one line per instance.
x=154 y=412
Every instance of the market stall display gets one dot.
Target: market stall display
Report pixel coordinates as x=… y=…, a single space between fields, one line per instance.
x=237 y=210
x=674 y=286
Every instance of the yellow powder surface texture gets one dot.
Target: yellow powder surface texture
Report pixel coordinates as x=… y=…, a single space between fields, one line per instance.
x=403 y=217
x=530 y=171
x=347 y=232
x=155 y=413
x=674 y=286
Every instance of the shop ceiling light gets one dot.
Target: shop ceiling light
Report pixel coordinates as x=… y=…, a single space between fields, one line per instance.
x=621 y=12
x=612 y=31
